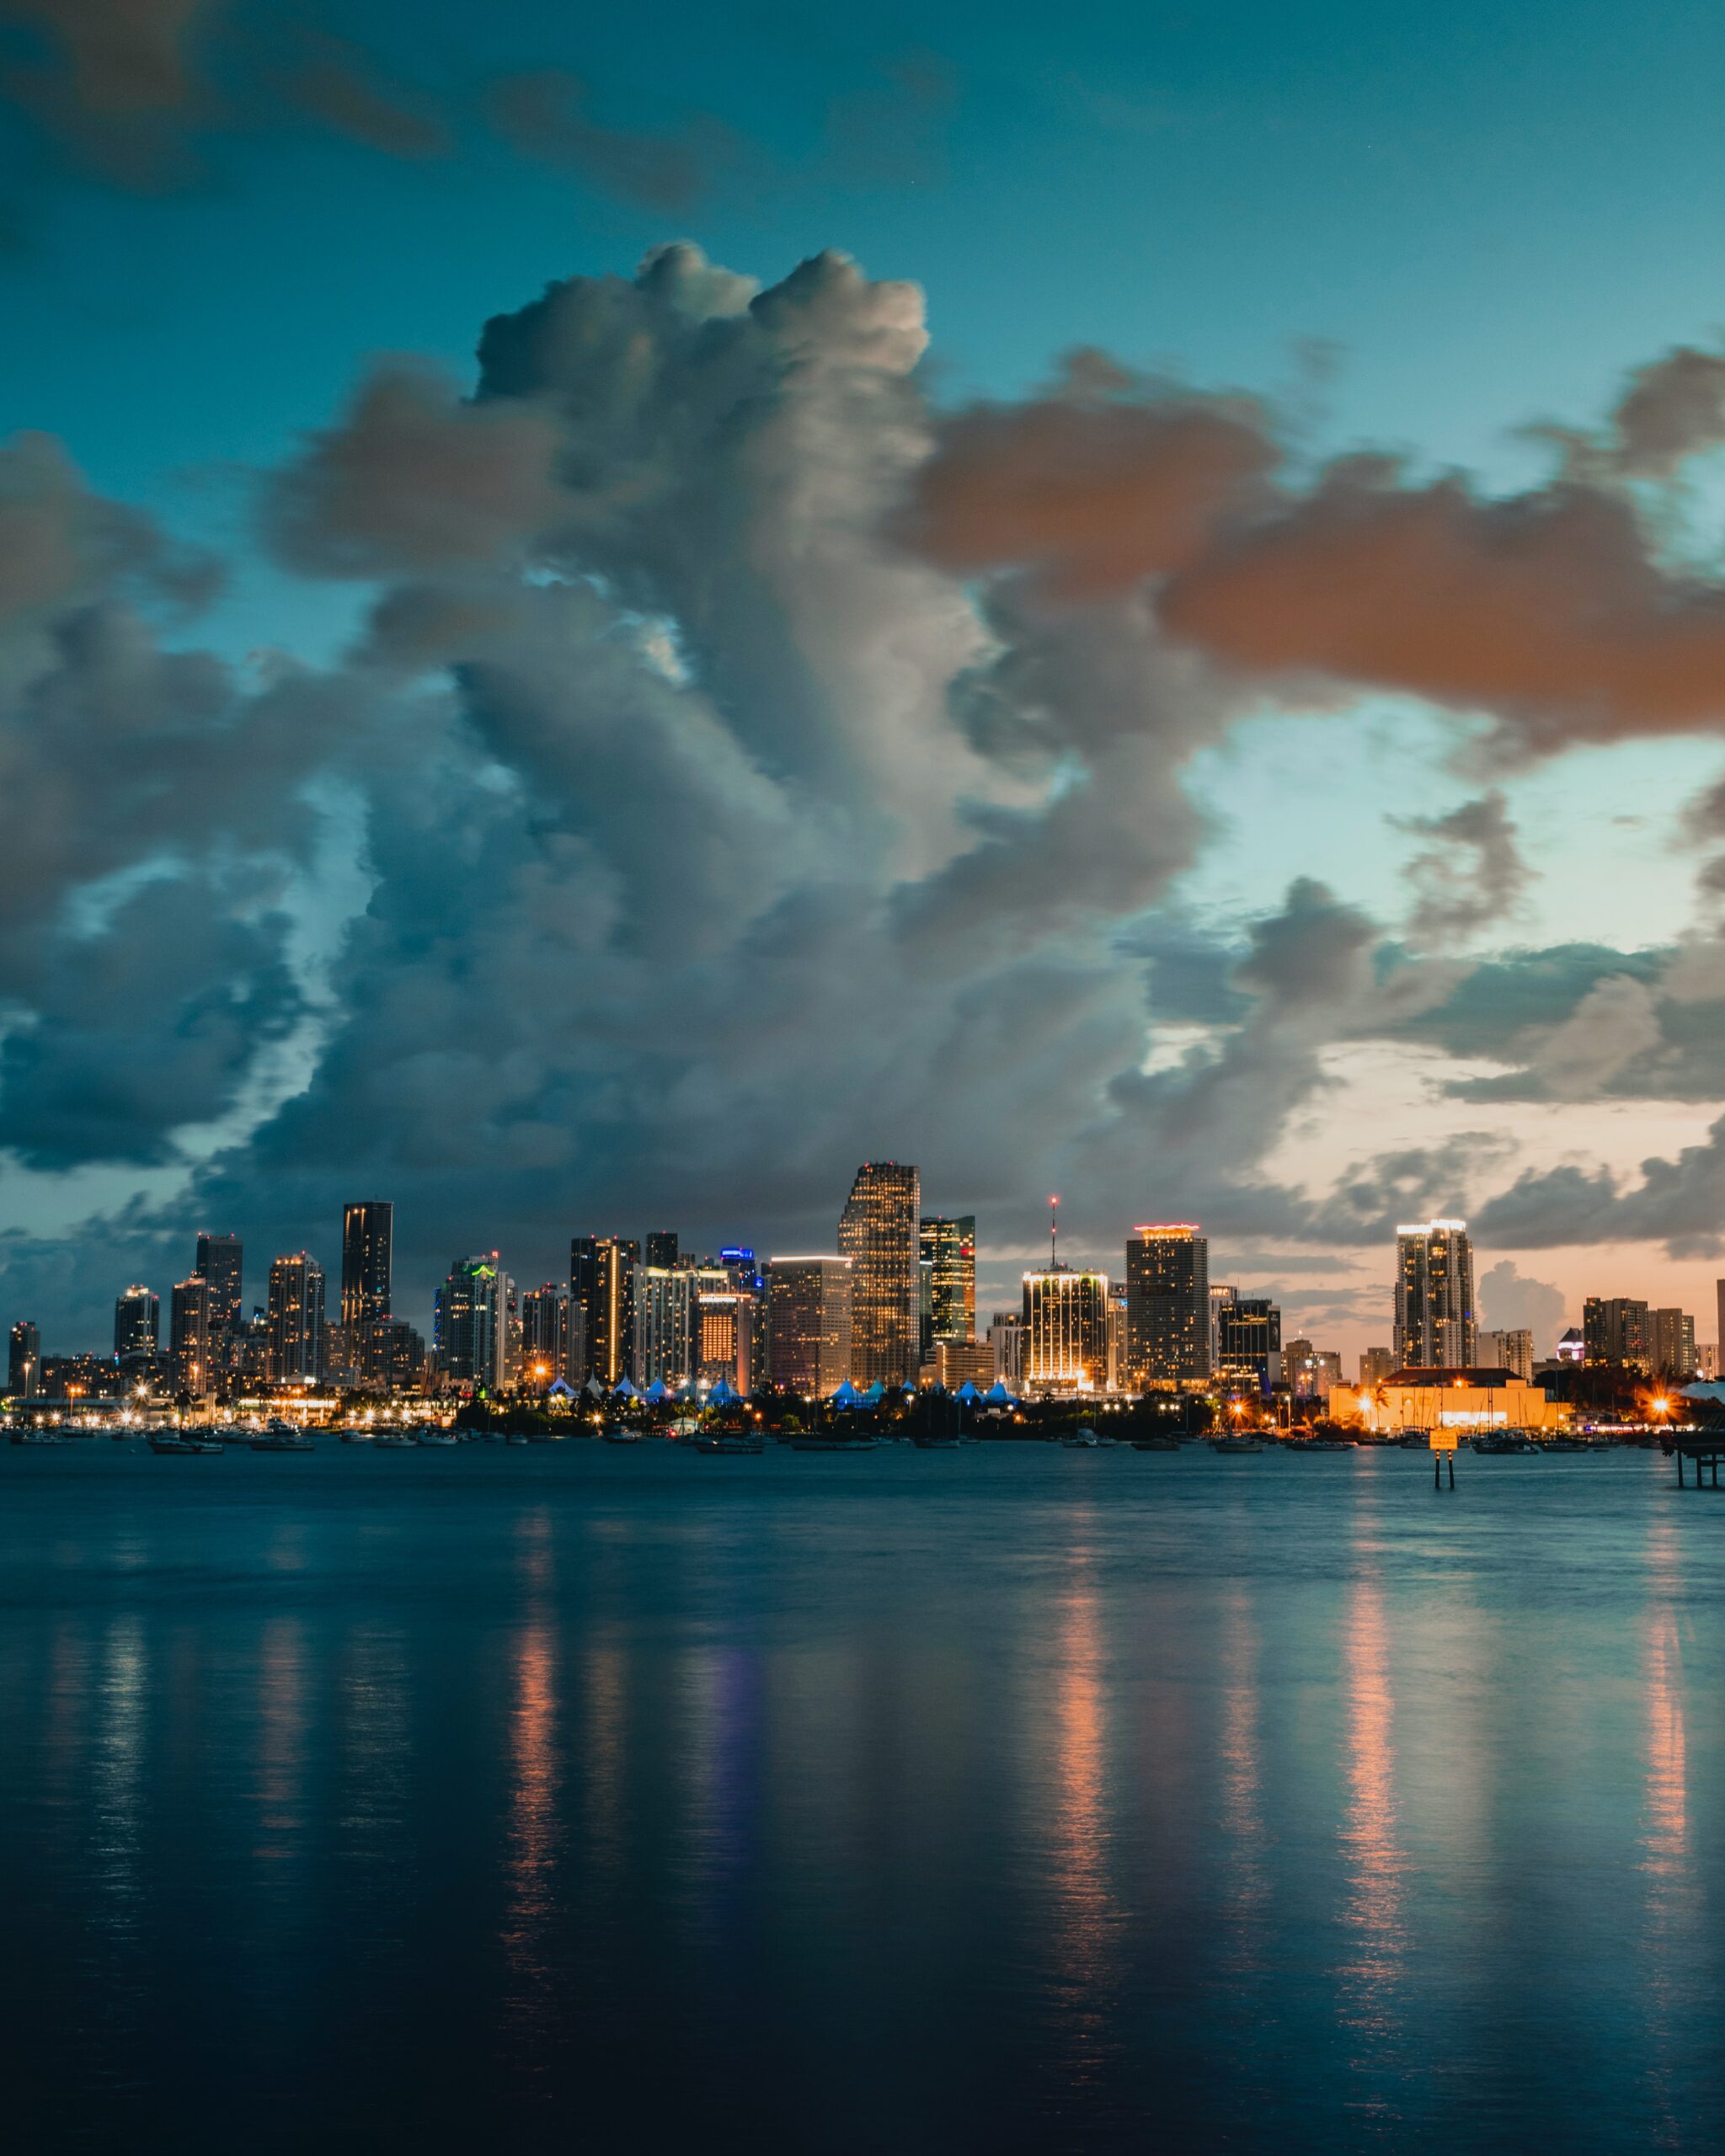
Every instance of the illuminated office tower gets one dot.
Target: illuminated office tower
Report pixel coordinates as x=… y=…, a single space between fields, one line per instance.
x=1672 y=1340
x=1249 y=1340
x=23 y=1361
x=367 y=1246
x=878 y=1232
x=1066 y=1330
x=188 y=1334
x=601 y=1270
x=662 y=1345
x=295 y=1320
x=948 y=1250
x=471 y=1328
x=551 y=1346
x=1434 y=1322
x=662 y=1247
x=1511 y=1350
x=724 y=1324
x=137 y=1323
x=810 y=1347
x=1375 y=1366
x=1167 y=1306
x=221 y=1261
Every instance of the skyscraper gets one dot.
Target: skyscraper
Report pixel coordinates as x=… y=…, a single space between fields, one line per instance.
x=1673 y=1341
x=948 y=1250
x=1248 y=1340
x=878 y=1232
x=662 y=1247
x=137 y=1323
x=188 y=1334
x=367 y=1241
x=724 y=1329
x=1066 y=1330
x=1167 y=1305
x=551 y=1321
x=663 y=1344
x=295 y=1320
x=1511 y=1350
x=602 y=1269
x=222 y=1263
x=1434 y=1322
x=23 y=1361
x=473 y=1322
x=810 y=1347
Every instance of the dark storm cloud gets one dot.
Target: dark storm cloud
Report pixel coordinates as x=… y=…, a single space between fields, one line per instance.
x=1679 y=1204
x=60 y=543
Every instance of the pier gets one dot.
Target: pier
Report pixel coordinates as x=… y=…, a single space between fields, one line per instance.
x=1706 y=1450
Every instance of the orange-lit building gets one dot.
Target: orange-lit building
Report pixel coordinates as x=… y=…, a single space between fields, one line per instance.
x=1447 y=1399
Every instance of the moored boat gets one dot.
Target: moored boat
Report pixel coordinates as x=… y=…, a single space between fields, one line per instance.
x=1239 y=1443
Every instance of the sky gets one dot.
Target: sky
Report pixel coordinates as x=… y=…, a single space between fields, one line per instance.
x=602 y=617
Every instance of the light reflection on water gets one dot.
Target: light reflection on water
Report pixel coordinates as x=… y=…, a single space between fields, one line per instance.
x=993 y=1800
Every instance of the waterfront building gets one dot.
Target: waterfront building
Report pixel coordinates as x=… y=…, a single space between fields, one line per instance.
x=948 y=1248
x=367 y=1254
x=1435 y=1320
x=23 y=1361
x=1066 y=1320
x=1006 y=1340
x=954 y=1363
x=663 y=1344
x=1117 y=1335
x=472 y=1337
x=810 y=1347
x=550 y=1342
x=1617 y=1329
x=394 y=1359
x=879 y=1234
x=1512 y=1351
x=1673 y=1343
x=601 y=1275
x=1167 y=1306
x=222 y=1263
x=1248 y=1342
x=188 y=1336
x=1310 y=1372
x=297 y=1340
x=1376 y=1364
x=1451 y=1402
x=725 y=1317
x=137 y=1323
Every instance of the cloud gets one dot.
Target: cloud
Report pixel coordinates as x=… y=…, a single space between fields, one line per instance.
x=1510 y=1300
x=544 y=115
x=1472 y=878
x=337 y=83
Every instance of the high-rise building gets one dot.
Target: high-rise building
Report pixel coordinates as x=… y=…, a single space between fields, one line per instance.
x=1065 y=1322
x=662 y=1248
x=221 y=1261
x=1167 y=1306
x=1249 y=1340
x=137 y=1323
x=663 y=1344
x=601 y=1270
x=1434 y=1322
x=367 y=1253
x=1617 y=1329
x=1311 y=1373
x=188 y=1336
x=23 y=1361
x=810 y=1347
x=725 y=1317
x=1673 y=1343
x=1511 y=1350
x=295 y=1320
x=394 y=1359
x=1006 y=1336
x=1376 y=1364
x=551 y=1337
x=878 y=1232
x=471 y=1333
x=948 y=1250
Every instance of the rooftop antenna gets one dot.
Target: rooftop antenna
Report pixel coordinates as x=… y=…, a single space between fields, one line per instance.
x=1053 y=1235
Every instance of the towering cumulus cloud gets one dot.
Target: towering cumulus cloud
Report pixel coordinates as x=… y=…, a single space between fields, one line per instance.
x=746 y=766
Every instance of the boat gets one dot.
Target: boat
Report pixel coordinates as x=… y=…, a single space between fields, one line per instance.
x=617 y=1436
x=730 y=1441
x=1322 y=1444
x=35 y=1437
x=394 y=1441
x=186 y=1444
x=1567 y=1445
x=517 y=1437
x=1415 y=1441
x=431 y=1435
x=282 y=1441
x=1155 y=1444
x=936 y=1444
x=1081 y=1440
x=1241 y=1443
x=357 y=1437
x=1503 y=1441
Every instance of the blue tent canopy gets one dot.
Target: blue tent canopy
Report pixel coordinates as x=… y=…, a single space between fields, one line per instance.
x=658 y=1391
x=873 y=1393
x=846 y=1395
x=622 y=1389
x=998 y=1396
x=968 y=1391
x=560 y=1391
x=721 y=1394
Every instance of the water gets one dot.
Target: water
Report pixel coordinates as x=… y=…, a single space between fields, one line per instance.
x=999 y=1799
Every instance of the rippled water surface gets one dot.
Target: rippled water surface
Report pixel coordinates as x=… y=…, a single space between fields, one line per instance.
x=992 y=1800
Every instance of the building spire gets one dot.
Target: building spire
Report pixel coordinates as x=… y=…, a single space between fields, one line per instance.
x=1053 y=1235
